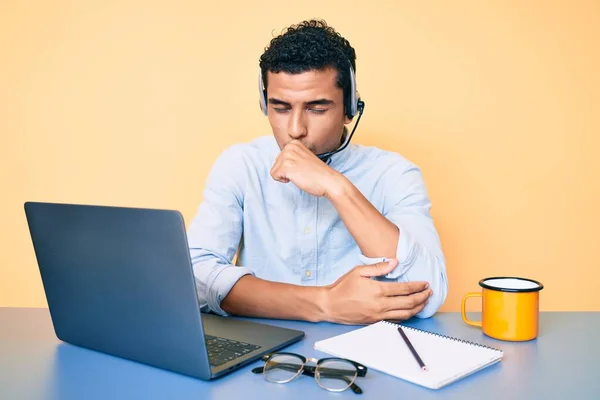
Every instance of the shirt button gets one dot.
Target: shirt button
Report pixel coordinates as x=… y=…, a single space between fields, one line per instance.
x=307 y=230
x=307 y=274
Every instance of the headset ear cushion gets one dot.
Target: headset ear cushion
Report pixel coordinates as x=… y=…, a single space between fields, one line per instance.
x=352 y=110
x=262 y=94
x=349 y=112
x=263 y=102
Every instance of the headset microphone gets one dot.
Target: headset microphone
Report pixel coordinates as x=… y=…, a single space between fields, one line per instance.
x=326 y=156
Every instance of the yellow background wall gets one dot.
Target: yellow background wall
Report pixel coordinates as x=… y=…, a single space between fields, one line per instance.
x=129 y=103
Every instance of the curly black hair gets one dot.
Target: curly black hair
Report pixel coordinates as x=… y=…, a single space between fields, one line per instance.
x=310 y=45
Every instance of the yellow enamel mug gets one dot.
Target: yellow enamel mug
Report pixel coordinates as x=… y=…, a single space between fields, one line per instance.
x=510 y=308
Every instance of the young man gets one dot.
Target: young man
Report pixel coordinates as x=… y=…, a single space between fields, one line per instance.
x=345 y=238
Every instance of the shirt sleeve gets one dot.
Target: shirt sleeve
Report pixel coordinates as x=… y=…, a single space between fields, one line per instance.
x=214 y=233
x=419 y=252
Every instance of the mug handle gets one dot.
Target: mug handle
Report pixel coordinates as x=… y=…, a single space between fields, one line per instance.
x=464 y=312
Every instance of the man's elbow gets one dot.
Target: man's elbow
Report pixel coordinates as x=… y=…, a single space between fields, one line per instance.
x=439 y=286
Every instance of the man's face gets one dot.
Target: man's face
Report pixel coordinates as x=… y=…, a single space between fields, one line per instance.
x=308 y=107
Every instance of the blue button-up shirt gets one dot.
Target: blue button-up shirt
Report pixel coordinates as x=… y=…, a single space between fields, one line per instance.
x=284 y=234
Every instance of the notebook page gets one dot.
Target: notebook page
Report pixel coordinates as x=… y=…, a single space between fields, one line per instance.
x=380 y=347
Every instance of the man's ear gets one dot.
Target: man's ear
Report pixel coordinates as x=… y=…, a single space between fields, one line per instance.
x=347 y=119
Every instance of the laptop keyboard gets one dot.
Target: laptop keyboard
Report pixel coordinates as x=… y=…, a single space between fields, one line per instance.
x=222 y=350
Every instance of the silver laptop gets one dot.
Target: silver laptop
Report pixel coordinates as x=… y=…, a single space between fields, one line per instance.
x=120 y=281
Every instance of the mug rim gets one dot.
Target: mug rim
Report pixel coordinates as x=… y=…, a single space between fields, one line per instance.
x=498 y=289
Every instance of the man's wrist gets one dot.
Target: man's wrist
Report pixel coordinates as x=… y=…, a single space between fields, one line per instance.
x=322 y=304
x=337 y=187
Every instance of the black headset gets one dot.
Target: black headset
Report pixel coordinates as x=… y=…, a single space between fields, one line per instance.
x=355 y=106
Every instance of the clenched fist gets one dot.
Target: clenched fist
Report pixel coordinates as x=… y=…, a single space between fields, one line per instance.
x=299 y=165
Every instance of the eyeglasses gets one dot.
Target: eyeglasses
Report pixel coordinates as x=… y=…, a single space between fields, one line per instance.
x=333 y=374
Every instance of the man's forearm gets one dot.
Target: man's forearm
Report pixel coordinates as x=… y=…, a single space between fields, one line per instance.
x=254 y=297
x=375 y=235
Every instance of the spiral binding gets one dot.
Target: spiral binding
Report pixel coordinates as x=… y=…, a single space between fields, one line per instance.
x=444 y=336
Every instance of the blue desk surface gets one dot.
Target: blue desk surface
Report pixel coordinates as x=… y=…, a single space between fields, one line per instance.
x=561 y=363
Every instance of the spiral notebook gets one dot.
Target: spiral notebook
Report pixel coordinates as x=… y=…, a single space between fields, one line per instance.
x=380 y=347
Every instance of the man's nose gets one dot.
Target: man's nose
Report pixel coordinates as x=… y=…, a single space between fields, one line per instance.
x=297 y=125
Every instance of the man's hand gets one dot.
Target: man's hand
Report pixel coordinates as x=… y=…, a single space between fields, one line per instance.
x=355 y=298
x=302 y=167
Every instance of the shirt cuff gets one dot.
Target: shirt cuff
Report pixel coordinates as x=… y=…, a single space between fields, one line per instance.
x=406 y=252
x=222 y=284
